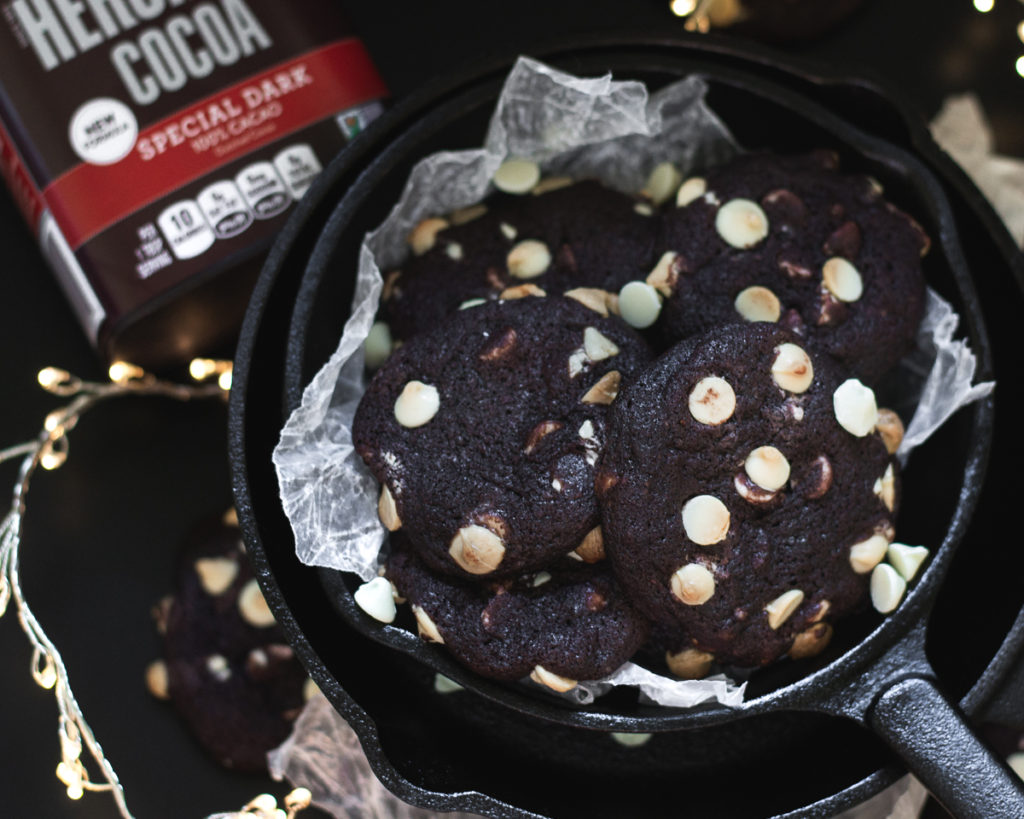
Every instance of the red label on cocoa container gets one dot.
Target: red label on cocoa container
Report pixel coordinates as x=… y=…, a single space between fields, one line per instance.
x=212 y=132
x=154 y=142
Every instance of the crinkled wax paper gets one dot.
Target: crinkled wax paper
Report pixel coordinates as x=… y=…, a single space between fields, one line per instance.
x=323 y=754
x=599 y=128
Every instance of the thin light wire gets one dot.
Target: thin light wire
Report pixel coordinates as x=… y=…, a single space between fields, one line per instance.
x=48 y=667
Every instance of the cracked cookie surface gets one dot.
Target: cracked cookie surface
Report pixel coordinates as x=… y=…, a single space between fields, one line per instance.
x=741 y=504
x=484 y=432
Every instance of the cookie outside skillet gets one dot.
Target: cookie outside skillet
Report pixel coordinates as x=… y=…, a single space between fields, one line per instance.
x=581 y=235
x=790 y=238
x=567 y=623
x=484 y=432
x=737 y=549
x=230 y=673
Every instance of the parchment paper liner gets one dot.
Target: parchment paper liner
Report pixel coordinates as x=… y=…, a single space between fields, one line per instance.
x=584 y=128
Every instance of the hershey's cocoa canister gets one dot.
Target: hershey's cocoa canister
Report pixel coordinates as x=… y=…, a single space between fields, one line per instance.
x=156 y=146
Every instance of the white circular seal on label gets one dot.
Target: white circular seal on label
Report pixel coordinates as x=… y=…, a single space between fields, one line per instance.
x=103 y=131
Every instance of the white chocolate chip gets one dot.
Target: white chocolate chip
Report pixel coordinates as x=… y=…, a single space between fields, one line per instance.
x=522 y=291
x=750 y=491
x=592 y=547
x=792 y=369
x=387 y=510
x=253 y=607
x=643 y=209
x=866 y=554
x=538 y=432
x=662 y=183
x=598 y=346
x=592 y=297
x=217 y=665
x=556 y=484
x=508 y=231
x=885 y=488
x=376 y=599
x=690 y=663
x=887 y=588
x=639 y=304
x=890 y=428
x=855 y=408
x=424 y=235
x=516 y=175
x=767 y=467
x=425 y=626
x=216 y=574
x=692 y=189
x=906 y=559
x=577 y=362
x=540 y=579
x=263 y=805
x=665 y=274
x=811 y=641
x=741 y=223
x=842 y=279
x=157 y=680
x=605 y=390
x=417 y=404
x=693 y=584
x=631 y=740
x=712 y=401
x=780 y=609
x=758 y=304
x=472 y=303
x=454 y=251
x=551 y=680
x=705 y=519
x=528 y=259
x=551 y=183
x=477 y=549
x=444 y=685
x=467 y=214
x=378 y=345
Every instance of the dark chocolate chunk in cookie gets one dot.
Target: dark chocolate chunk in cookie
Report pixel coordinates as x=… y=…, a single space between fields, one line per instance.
x=580 y=235
x=746 y=494
x=566 y=623
x=485 y=432
x=230 y=673
x=791 y=240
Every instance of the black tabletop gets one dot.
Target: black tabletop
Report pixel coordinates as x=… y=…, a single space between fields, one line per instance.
x=102 y=531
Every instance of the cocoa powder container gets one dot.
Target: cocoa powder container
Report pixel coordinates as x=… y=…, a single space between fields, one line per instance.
x=155 y=148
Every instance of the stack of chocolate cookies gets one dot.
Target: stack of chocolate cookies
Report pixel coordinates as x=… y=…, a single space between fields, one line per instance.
x=606 y=422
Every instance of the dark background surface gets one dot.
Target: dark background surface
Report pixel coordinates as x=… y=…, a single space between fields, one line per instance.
x=102 y=531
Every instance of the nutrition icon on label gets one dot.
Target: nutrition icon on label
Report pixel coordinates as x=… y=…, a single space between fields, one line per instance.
x=298 y=166
x=263 y=190
x=225 y=209
x=185 y=229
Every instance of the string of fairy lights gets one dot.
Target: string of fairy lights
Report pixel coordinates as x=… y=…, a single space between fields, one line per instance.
x=48 y=451
x=703 y=15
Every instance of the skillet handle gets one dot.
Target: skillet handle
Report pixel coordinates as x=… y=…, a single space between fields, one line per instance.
x=930 y=734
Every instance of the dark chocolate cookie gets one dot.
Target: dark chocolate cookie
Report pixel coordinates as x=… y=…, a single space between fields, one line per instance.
x=485 y=432
x=747 y=492
x=567 y=623
x=791 y=240
x=581 y=235
x=230 y=673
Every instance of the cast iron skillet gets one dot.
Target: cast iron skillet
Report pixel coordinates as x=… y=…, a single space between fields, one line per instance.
x=894 y=673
